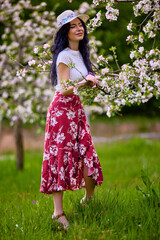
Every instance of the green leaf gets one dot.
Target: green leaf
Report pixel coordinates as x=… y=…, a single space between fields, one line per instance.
x=113 y=48
x=155 y=195
x=139 y=189
x=145 y=179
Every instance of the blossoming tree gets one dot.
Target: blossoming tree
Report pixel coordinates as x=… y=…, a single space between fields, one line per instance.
x=138 y=80
x=24 y=99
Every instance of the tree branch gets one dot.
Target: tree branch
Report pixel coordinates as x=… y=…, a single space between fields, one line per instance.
x=97 y=86
x=45 y=40
x=140 y=25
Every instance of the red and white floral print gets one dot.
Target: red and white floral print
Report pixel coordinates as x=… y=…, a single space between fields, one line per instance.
x=70 y=115
x=68 y=146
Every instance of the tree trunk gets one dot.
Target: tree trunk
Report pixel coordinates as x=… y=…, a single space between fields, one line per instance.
x=19 y=143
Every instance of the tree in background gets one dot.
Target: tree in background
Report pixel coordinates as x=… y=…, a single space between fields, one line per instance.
x=24 y=99
x=114 y=33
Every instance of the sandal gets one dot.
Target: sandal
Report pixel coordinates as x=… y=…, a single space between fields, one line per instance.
x=57 y=219
x=84 y=200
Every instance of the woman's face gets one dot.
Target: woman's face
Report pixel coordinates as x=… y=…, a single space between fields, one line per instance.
x=76 y=31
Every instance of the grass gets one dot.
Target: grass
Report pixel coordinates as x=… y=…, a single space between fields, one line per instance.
x=119 y=211
x=139 y=119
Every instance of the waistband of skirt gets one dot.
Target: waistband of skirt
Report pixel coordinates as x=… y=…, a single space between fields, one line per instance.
x=59 y=94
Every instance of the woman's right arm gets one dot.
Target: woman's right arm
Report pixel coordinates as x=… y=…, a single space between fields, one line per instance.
x=63 y=72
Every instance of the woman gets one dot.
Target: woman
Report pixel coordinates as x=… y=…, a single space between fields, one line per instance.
x=70 y=161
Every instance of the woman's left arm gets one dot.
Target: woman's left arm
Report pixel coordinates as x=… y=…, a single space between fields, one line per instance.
x=63 y=72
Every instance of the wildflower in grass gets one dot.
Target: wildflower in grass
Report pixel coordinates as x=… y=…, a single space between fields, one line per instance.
x=33 y=202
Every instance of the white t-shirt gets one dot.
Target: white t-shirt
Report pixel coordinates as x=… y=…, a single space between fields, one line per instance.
x=71 y=56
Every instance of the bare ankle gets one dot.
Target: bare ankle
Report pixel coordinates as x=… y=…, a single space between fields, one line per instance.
x=56 y=213
x=90 y=197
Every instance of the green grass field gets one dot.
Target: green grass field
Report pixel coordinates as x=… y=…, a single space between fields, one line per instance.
x=119 y=211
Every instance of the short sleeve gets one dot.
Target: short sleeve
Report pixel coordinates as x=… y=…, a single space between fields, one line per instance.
x=63 y=58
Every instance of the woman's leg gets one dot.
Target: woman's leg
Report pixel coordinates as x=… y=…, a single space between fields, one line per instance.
x=89 y=183
x=58 y=203
x=58 y=208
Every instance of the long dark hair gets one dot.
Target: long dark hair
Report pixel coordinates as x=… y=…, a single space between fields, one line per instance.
x=61 y=42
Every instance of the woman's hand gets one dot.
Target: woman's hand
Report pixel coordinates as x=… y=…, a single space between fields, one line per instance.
x=92 y=80
x=89 y=80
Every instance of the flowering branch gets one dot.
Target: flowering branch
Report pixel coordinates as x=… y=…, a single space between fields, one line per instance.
x=71 y=65
x=140 y=25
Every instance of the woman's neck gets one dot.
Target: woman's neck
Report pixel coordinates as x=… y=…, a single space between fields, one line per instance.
x=74 y=45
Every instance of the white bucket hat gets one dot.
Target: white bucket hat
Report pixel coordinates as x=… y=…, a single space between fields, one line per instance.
x=67 y=16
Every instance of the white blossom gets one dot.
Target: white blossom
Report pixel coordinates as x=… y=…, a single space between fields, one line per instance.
x=132 y=54
x=31 y=62
x=36 y=49
x=140 y=38
x=45 y=46
x=140 y=50
x=105 y=70
x=130 y=26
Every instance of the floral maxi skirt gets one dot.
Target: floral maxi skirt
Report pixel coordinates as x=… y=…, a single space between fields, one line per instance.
x=68 y=146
